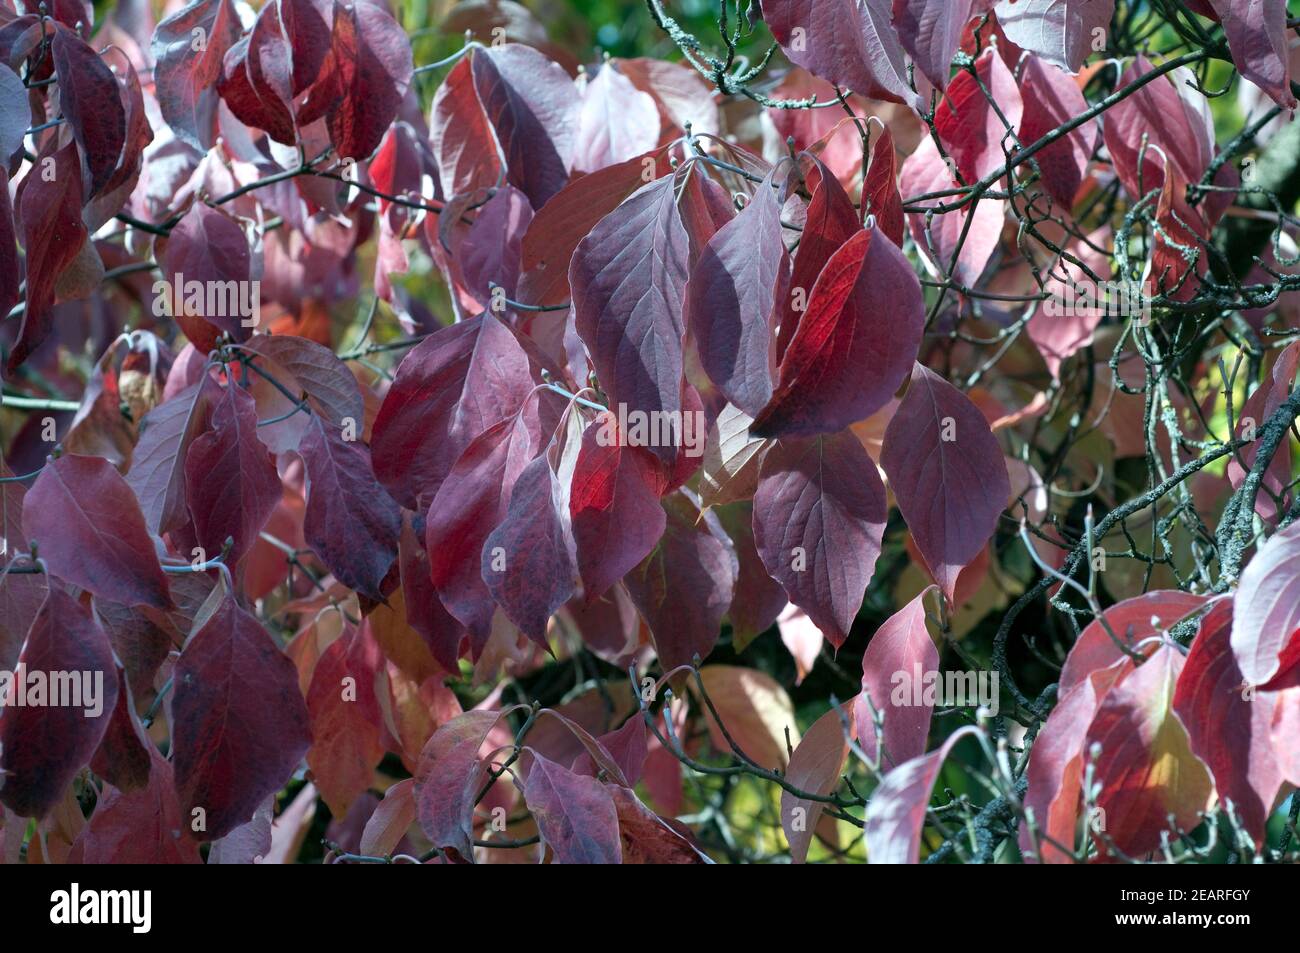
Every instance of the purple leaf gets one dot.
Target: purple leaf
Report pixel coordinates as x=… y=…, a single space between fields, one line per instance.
x=947 y=473
x=628 y=278
x=819 y=516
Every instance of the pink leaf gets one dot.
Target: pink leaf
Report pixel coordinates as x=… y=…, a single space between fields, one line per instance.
x=1259 y=39
x=896 y=812
x=1063 y=32
x=618 y=121
x=1146 y=769
x=851 y=43
x=815 y=766
x=901 y=647
x=1267 y=617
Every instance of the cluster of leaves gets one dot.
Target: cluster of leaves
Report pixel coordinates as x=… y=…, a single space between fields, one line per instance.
x=645 y=355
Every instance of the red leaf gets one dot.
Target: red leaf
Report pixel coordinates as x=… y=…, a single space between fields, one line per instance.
x=372 y=59
x=140 y=827
x=1146 y=769
x=1132 y=621
x=157 y=474
x=470 y=504
x=208 y=250
x=975 y=133
x=848 y=356
x=526 y=562
x=126 y=753
x=533 y=105
x=463 y=141
x=947 y=473
x=901 y=646
x=256 y=78
x=735 y=295
x=575 y=814
x=1259 y=40
x=89 y=530
x=628 y=278
x=351 y=523
x=1266 y=624
x=44 y=744
x=832 y=221
x=626 y=747
x=815 y=766
x=425 y=613
x=759 y=599
x=345 y=719
x=880 y=189
x=1158 y=121
x=1056 y=765
x=1051 y=99
x=683 y=588
x=896 y=812
x=53 y=233
x=185 y=78
x=1228 y=725
x=1183 y=231
x=556 y=230
x=851 y=43
x=231 y=483
x=239 y=723
x=1062 y=32
x=450 y=388
x=449 y=778
x=91 y=105
x=649 y=839
x=819 y=516
x=614 y=504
